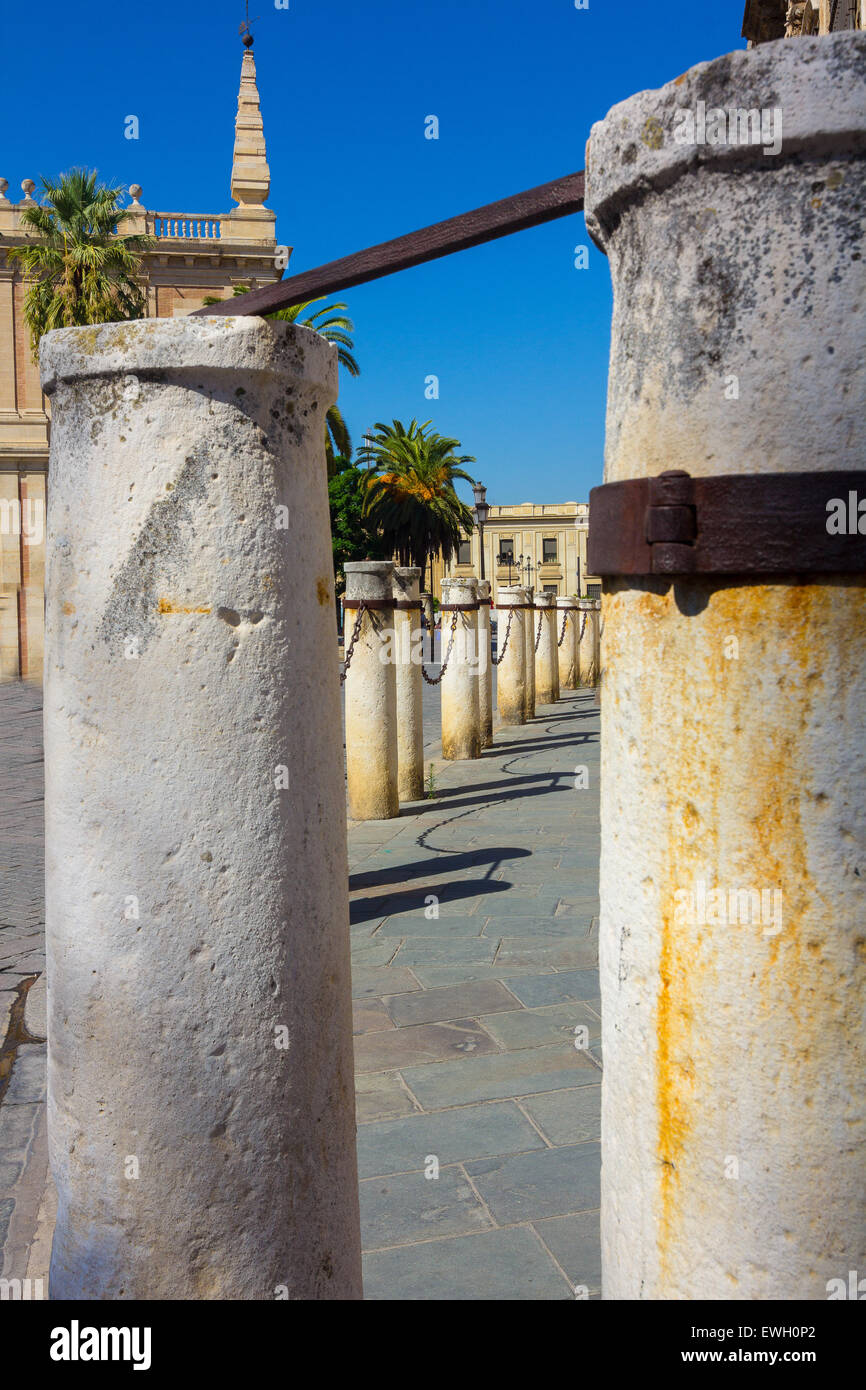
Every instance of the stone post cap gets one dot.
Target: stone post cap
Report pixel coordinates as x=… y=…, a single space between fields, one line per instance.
x=405 y=582
x=585 y=603
x=567 y=601
x=509 y=595
x=168 y=348
x=650 y=140
x=545 y=600
x=371 y=579
x=484 y=588
x=462 y=588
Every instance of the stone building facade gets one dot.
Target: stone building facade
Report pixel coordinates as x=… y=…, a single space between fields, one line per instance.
x=765 y=20
x=194 y=256
x=538 y=543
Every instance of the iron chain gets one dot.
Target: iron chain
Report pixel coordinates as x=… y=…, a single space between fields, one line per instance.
x=434 y=680
x=538 y=633
x=347 y=660
x=497 y=659
x=564 y=626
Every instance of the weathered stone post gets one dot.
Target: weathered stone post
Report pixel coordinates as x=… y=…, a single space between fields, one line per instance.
x=461 y=710
x=429 y=615
x=586 y=661
x=733 y=749
x=410 y=685
x=371 y=691
x=485 y=665
x=530 y=629
x=597 y=623
x=546 y=654
x=201 y=1116
x=511 y=654
x=567 y=651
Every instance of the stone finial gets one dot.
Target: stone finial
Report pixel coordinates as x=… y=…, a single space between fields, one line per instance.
x=135 y=192
x=27 y=187
x=4 y=184
x=251 y=177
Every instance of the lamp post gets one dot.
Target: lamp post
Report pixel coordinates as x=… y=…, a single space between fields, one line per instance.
x=528 y=569
x=482 y=511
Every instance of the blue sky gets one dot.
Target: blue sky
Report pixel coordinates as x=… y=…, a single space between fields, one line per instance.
x=517 y=336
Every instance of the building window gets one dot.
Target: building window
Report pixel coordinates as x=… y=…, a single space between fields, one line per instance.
x=464 y=553
x=548 y=554
x=550 y=589
x=506 y=550
x=593 y=591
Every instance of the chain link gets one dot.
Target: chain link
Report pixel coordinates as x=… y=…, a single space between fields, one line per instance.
x=564 y=626
x=498 y=659
x=434 y=680
x=538 y=633
x=347 y=660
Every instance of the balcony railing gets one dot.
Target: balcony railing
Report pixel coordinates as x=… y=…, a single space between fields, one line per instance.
x=186 y=226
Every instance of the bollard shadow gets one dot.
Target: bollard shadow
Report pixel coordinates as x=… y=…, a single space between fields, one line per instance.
x=511 y=790
x=539 y=745
x=425 y=868
x=411 y=899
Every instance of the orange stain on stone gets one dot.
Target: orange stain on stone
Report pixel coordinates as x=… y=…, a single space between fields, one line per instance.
x=166 y=606
x=323 y=591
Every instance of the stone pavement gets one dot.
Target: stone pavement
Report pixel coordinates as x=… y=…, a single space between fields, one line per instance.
x=476 y=1030
x=26 y=1202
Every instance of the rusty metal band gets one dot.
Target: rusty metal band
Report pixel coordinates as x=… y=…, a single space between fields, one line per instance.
x=383 y=604
x=513 y=607
x=408 y=605
x=759 y=523
x=458 y=608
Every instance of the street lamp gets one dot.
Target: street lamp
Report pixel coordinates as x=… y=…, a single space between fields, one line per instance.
x=482 y=511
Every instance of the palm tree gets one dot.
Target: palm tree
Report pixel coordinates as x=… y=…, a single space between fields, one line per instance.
x=410 y=491
x=83 y=270
x=337 y=328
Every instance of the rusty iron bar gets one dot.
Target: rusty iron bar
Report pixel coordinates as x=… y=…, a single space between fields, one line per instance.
x=559 y=198
x=753 y=523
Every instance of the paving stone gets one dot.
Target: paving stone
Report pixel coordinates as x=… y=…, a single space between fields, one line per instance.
x=413 y=925
x=437 y=976
x=429 y=1042
x=555 y=988
x=567 y=1117
x=565 y=929
x=539 y=1027
x=370 y=982
x=18 y=1126
x=575 y=1242
x=507 y=1265
x=526 y=1187
x=370 y=1016
x=498 y=1077
x=29 y=1075
x=558 y=951
x=471 y=1131
x=380 y=1096
x=457 y=1001
x=397 y=1210
x=438 y=950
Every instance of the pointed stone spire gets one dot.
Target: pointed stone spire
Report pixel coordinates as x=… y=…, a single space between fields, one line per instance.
x=251 y=177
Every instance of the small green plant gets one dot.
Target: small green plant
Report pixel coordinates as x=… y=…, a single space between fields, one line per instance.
x=431 y=783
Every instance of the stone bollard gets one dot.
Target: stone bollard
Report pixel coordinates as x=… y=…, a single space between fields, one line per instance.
x=485 y=665
x=733 y=786
x=511 y=654
x=546 y=653
x=461 y=710
x=429 y=615
x=371 y=691
x=587 y=668
x=201 y=1117
x=410 y=684
x=568 y=616
x=530 y=632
